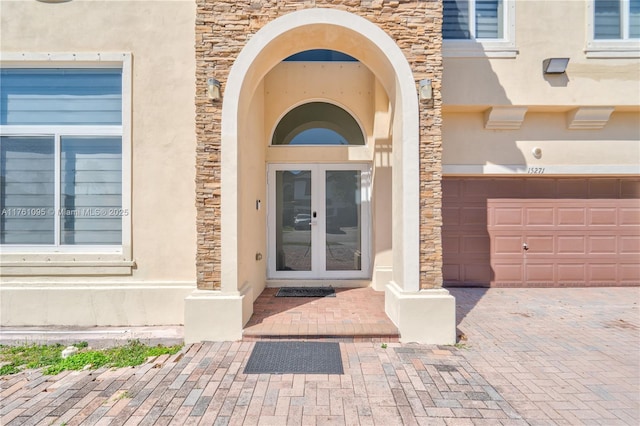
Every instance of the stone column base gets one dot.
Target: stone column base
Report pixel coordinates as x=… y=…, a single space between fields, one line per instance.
x=211 y=315
x=426 y=316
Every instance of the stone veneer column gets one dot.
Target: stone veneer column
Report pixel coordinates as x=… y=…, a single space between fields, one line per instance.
x=222 y=29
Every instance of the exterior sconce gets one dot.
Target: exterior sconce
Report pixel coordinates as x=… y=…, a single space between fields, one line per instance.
x=213 y=89
x=555 y=65
x=537 y=152
x=426 y=91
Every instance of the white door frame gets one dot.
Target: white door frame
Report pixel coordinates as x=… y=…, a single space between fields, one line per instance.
x=318 y=227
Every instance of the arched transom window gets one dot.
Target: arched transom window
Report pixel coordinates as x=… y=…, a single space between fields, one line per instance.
x=318 y=123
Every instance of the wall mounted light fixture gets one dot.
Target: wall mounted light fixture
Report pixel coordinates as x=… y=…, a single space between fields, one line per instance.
x=537 y=152
x=555 y=65
x=426 y=91
x=213 y=89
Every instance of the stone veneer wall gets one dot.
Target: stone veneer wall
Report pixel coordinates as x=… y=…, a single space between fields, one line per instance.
x=222 y=29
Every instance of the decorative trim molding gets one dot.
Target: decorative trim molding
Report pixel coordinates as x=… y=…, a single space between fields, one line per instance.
x=589 y=118
x=504 y=117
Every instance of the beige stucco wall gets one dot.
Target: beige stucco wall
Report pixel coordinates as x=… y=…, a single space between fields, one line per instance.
x=474 y=85
x=162 y=152
x=615 y=147
x=252 y=238
x=287 y=85
x=543 y=30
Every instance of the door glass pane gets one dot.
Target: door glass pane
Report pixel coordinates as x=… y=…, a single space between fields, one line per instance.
x=293 y=220
x=27 y=190
x=343 y=220
x=91 y=190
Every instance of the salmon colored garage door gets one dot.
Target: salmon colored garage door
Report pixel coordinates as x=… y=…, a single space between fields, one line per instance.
x=557 y=232
x=564 y=242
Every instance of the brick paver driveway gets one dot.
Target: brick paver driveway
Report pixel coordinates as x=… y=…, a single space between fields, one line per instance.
x=537 y=356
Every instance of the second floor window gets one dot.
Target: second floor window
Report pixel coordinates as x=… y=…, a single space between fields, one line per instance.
x=473 y=19
x=616 y=19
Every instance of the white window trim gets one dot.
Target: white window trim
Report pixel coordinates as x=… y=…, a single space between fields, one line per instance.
x=619 y=48
x=21 y=260
x=486 y=48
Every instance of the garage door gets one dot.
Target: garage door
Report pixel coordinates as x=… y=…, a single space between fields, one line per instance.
x=589 y=237
x=564 y=242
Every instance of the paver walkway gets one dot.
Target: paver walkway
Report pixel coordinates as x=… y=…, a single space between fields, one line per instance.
x=354 y=314
x=536 y=356
x=559 y=356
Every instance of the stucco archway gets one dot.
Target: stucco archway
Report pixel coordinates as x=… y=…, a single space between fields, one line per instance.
x=319 y=28
x=326 y=28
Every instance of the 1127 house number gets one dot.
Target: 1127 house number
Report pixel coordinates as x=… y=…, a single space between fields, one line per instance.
x=535 y=170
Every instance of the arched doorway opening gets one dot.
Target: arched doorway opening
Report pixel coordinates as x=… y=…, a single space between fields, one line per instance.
x=252 y=106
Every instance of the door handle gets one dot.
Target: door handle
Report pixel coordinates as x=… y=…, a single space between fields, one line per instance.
x=525 y=246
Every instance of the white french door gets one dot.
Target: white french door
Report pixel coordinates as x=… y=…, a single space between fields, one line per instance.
x=318 y=221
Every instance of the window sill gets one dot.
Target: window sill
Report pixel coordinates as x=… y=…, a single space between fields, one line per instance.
x=65 y=265
x=478 y=49
x=603 y=49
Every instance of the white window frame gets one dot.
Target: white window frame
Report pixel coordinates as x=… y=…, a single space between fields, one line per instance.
x=504 y=47
x=83 y=259
x=615 y=48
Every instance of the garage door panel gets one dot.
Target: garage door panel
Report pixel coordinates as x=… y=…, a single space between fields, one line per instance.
x=451 y=272
x=539 y=216
x=601 y=244
x=630 y=244
x=507 y=216
x=450 y=244
x=507 y=188
x=603 y=188
x=629 y=273
x=573 y=188
x=540 y=245
x=572 y=216
x=507 y=245
x=602 y=216
x=474 y=215
x=539 y=272
x=451 y=216
x=540 y=188
x=451 y=189
x=602 y=272
x=474 y=189
x=477 y=273
x=571 y=273
x=630 y=216
x=571 y=245
x=476 y=244
x=630 y=189
x=509 y=272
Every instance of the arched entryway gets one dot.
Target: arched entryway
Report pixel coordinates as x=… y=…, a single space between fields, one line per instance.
x=248 y=111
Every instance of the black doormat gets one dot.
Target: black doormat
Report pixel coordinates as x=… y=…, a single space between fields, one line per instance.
x=306 y=292
x=295 y=357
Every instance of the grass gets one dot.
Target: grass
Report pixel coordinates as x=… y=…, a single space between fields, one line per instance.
x=18 y=358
